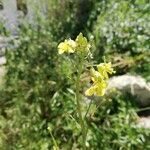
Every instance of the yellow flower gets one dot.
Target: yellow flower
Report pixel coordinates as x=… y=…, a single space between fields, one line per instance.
x=99 y=79
x=99 y=85
x=104 y=69
x=67 y=46
x=70 y=46
x=82 y=43
x=96 y=76
x=98 y=88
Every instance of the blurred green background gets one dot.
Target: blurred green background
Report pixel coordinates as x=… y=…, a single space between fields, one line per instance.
x=32 y=99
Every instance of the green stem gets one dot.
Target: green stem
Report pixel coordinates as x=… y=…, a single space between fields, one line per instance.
x=86 y=131
x=88 y=109
x=78 y=99
x=143 y=109
x=54 y=141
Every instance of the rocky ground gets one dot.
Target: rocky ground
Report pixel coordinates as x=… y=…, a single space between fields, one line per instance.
x=139 y=89
x=135 y=85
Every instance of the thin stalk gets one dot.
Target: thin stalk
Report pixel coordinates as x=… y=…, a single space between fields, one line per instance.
x=86 y=130
x=54 y=141
x=78 y=99
x=143 y=109
x=88 y=109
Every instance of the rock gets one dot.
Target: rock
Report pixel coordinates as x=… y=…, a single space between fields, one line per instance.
x=3 y=43
x=135 y=85
x=144 y=122
x=7 y=43
x=2 y=73
x=2 y=61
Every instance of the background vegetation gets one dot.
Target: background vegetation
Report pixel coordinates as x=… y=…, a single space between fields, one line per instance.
x=33 y=101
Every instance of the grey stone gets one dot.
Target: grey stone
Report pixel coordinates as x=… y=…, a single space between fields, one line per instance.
x=144 y=122
x=135 y=85
x=2 y=61
x=10 y=15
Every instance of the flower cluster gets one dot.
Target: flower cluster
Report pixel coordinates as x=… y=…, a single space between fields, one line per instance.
x=99 y=79
x=70 y=46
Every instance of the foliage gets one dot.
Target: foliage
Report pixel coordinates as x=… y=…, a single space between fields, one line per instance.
x=32 y=72
x=114 y=125
x=122 y=32
x=37 y=106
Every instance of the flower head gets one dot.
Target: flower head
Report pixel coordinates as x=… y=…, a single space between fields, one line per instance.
x=96 y=76
x=104 y=69
x=98 y=88
x=82 y=43
x=67 y=46
x=99 y=79
x=70 y=46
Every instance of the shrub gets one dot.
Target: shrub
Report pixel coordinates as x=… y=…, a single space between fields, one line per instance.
x=121 y=31
x=37 y=100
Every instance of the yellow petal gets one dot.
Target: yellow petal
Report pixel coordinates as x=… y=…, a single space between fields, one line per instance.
x=100 y=88
x=67 y=46
x=61 y=48
x=96 y=76
x=90 y=91
x=104 y=69
x=100 y=92
x=71 y=43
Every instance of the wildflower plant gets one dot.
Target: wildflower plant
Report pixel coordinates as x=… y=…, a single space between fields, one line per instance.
x=80 y=47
